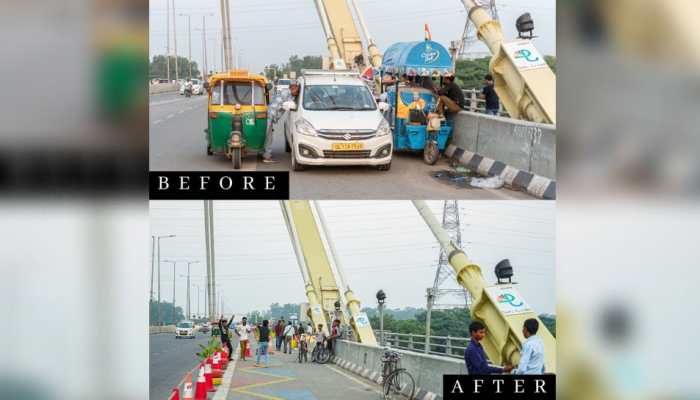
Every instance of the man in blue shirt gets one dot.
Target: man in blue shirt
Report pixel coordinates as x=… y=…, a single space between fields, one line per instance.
x=532 y=354
x=474 y=355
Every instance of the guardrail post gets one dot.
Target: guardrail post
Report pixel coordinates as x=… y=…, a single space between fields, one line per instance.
x=410 y=341
x=448 y=350
x=472 y=101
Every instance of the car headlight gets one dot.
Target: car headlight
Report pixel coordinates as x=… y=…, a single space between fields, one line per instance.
x=384 y=128
x=304 y=127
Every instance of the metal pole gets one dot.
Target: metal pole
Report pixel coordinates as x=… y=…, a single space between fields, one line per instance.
x=153 y=263
x=177 y=69
x=160 y=322
x=188 y=291
x=205 y=75
x=224 y=27
x=167 y=29
x=381 y=324
x=174 y=276
x=431 y=298
x=189 y=34
x=228 y=30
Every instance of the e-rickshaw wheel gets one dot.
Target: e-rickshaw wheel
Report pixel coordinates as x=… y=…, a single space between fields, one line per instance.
x=431 y=153
x=209 y=152
x=236 y=155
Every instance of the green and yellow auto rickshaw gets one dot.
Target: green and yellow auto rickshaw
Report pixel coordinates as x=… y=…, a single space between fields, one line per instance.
x=237 y=114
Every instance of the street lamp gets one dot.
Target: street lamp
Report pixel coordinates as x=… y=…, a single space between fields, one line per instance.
x=504 y=271
x=381 y=298
x=188 y=286
x=174 y=276
x=160 y=321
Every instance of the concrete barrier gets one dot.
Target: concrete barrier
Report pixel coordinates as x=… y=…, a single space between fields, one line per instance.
x=163 y=88
x=161 y=329
x=427 y=370
x=522 y=153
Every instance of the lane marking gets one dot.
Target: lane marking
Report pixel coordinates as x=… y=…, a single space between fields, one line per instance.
x=352 y=378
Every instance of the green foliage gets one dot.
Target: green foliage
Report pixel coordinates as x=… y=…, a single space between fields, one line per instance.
x=470 y=73
x=552 y=62
x=295 y=64
x=166 y=313
x=550 y=321
x=209 y=349
x=159 y=66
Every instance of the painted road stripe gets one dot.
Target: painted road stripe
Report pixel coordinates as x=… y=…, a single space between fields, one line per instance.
x=374 y=389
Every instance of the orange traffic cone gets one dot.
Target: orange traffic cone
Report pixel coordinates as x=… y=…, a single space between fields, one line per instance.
x=200 y=392
x=216 y=370
x=207 y=376
x=175 y=395
x=187 y=391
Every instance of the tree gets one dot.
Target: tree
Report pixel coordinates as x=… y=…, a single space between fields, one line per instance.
x=294 y=64
x=552 y=62
x=470 y=73
x=166 y=313
x=159 y=66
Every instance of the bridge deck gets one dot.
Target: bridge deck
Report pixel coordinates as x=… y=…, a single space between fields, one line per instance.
x=287 y=379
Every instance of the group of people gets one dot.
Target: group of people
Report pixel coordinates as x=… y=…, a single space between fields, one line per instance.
x=284 y=335
x=531 y=355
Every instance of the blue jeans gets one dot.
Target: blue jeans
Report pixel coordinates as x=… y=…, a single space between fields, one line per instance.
x=492 y=111
x=262 y=350
x=278 y=342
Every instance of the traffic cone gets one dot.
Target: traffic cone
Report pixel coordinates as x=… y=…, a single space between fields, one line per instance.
x=200 y=392
x=208 y=377
x=224 y=358
x=216 y=370
x=187 y=391
x=175 y=395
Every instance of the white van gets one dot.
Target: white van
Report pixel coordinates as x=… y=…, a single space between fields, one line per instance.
x=335 y=120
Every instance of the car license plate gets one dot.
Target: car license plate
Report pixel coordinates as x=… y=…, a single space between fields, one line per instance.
x=347 y=146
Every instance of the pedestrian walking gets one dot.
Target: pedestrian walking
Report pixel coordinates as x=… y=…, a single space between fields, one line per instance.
x=263 y=343
x=243 y=332
x=279 y=334
x=288 y=334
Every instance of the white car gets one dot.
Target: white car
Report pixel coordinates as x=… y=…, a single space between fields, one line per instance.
x=197 y=88
x=282 y=84
x=184 y=329
x=335 y=120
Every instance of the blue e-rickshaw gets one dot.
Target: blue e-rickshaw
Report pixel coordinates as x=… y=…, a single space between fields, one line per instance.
x=416 y=125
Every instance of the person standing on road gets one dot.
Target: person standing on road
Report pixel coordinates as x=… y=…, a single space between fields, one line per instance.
x=288 y=334
x=335 y=333
x=243 y=332
x=532 y=354
x=451 y=97
x=263 y=343
x=275 y=112
x=279 y=334
x=474 y=355
x=489 y=94
x=224 y=331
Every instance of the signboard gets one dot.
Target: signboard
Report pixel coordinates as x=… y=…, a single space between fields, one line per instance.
x=524 y=55
x=508 y=299
x=362 y=321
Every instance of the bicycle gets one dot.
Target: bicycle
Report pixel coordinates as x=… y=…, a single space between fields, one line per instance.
x=397 y=381
x=321 y=354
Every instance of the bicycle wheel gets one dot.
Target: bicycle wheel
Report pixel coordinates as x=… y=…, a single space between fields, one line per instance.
x=400 y=383
x=323 y=355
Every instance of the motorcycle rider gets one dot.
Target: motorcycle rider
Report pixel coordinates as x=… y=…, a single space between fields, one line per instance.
x=188 y=88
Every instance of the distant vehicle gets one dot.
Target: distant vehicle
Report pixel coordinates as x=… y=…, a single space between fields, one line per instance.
x=197 y=88
x=205 y=327
x=282 y=84
x=184 y=329
x=336 y=121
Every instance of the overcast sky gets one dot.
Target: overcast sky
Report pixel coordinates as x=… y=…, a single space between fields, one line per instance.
x=381 y=245
x=268 y=32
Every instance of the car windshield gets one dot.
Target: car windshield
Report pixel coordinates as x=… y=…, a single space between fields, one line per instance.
x=284 y=82
x=338 y=98
x=195 y=81
x=238 y=93
x=184 y=325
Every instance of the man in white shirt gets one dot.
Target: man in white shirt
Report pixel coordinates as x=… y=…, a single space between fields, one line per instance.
x=288 y=335
x=243 y=331
x=532 y=354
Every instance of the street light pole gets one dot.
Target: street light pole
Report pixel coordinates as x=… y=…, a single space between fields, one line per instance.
x=188 y=286
x=167 y=29
x=381 y=298
x=153 y=268
x=174 y=276
x=177 y=69
x=160 y=321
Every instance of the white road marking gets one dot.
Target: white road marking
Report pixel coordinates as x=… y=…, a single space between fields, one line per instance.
x=222 y=392
x=352 y=378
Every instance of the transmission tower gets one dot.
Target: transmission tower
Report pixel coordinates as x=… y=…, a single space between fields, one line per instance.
x=446 y=292
x=469 y=35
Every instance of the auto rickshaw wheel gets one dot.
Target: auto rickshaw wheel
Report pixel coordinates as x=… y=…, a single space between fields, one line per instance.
x=431 y=154
x=236 y=155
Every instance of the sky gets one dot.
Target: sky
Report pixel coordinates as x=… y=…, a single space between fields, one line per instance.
x=269 y=31
x=380 y=244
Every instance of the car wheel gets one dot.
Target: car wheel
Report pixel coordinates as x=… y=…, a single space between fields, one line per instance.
x=296 y=166
x=384 y=167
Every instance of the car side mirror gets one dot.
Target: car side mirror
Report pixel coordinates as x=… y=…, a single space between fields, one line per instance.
x=289 y=106
x=383 y=107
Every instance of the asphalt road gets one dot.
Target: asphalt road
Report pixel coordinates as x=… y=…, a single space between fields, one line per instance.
x=170 y=360
x=177 y=143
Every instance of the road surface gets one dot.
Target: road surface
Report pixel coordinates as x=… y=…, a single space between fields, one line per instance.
x=177 y=143
x=170 y=360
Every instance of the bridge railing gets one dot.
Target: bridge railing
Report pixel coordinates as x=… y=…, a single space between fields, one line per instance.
x=449 y=346
x=475 y=104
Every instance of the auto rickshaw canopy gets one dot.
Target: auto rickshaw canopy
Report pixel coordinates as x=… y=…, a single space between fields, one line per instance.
x=417 y=58
x=237 y=75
